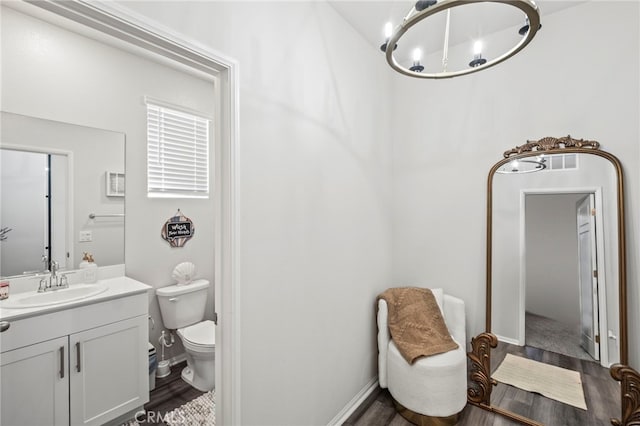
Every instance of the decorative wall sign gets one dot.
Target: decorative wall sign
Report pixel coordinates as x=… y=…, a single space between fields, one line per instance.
x=178 y=230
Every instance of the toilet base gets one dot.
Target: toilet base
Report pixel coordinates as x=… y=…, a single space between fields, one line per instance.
x=187 y=375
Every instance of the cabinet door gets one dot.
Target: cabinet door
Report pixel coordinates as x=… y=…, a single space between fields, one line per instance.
x=34 y=384
x=109 y=371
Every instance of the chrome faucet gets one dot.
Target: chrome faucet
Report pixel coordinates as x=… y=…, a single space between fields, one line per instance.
x=54 y=281
x=43 y=283
x=53 y=278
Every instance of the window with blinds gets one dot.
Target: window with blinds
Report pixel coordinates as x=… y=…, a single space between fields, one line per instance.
x=177 y=153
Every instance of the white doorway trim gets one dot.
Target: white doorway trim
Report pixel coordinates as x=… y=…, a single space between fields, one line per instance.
x=602 y=286
x=125 y=25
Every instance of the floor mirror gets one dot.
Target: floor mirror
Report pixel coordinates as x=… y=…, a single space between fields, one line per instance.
x=556 y=305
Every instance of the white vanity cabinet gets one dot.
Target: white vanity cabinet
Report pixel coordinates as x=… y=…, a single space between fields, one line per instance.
x=108 y=371
x=35 y=384
x=82 y=365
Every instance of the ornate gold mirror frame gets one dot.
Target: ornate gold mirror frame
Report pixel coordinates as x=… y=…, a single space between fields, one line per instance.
x=479 y=393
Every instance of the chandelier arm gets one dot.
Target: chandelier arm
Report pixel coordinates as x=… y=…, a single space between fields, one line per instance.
x=445 y=49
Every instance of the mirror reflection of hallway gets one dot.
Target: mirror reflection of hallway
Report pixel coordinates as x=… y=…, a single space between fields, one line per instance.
x=33 y=210
x=24 y=198
x=555 y=311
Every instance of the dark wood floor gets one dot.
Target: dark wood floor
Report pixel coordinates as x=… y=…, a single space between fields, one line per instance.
x=170 y=393
x=602 y=395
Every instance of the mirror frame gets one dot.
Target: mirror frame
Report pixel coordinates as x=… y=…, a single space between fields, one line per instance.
x=479 y=393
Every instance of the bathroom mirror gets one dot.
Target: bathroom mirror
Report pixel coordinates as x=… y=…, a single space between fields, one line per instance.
x=556 y=277
x=62 y=194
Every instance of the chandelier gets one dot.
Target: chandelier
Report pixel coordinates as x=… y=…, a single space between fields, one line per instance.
x=528 y=165
x=456 y=26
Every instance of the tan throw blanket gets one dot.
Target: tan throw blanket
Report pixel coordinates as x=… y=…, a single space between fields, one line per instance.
x=416 y=323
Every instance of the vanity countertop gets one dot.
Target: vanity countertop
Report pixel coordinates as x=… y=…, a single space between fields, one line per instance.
x=117 y=287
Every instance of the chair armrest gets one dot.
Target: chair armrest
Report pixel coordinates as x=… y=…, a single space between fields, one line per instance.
x=383 y=342
x=454 y=316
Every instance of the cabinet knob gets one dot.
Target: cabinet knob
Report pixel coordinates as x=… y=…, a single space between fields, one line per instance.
x=4 y=326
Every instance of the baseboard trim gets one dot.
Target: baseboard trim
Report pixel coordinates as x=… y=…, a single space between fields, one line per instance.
x=509 y=340
x=355 y=402
x=178 y=359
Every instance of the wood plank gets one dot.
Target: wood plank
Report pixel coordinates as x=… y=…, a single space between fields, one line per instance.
x=170 y=393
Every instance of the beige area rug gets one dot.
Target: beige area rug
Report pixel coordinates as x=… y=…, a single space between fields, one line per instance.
x=553 y=382
x=198 y=412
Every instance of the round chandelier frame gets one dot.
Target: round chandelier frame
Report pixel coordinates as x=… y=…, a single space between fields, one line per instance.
x=414 y=17
x=523 y=166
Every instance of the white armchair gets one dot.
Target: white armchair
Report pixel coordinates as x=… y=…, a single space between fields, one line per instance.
x=434 y=386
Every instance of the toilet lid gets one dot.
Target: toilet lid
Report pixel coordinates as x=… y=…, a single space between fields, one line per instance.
x=202 y=333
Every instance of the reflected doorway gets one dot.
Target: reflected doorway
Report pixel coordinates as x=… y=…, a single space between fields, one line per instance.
x=33 y=205
x=557 y=235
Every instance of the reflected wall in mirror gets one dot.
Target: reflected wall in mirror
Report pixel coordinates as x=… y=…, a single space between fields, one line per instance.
x=556 y=282
x=53 y=177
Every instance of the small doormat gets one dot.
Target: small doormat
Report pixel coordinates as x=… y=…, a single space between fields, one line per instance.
x=198 y=412
x=553 y=382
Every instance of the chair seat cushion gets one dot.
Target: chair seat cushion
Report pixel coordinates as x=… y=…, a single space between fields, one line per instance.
x=433 y=386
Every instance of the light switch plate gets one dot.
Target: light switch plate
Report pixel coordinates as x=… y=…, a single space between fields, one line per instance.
x=86 y=236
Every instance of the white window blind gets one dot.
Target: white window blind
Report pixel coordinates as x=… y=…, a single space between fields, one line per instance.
x=177 y=153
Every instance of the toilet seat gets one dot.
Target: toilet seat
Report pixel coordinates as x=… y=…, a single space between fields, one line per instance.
x=199 y=337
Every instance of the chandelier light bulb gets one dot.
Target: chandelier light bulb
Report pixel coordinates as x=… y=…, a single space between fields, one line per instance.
x=523 y=30
x=388 y=30
x=477 y=48
x=417 y=55
x=417 y=67
x=477 y=55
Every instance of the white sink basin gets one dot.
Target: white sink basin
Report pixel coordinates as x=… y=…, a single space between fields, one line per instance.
x=32 y=299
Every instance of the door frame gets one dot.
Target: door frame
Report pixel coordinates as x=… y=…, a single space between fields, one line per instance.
x=125 y=25
x=600 y=259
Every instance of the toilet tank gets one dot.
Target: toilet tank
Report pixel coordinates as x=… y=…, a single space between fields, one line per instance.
x=183 y=305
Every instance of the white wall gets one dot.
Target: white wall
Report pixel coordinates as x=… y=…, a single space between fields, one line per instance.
x=552 y=288
x=579 y=76
x=52 y=73
x=315 y=200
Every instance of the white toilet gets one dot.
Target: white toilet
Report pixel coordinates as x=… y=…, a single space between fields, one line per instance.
x=182 y=308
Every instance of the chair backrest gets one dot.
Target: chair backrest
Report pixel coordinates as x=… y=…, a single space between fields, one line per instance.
x=453 y=311
x=384 y=337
